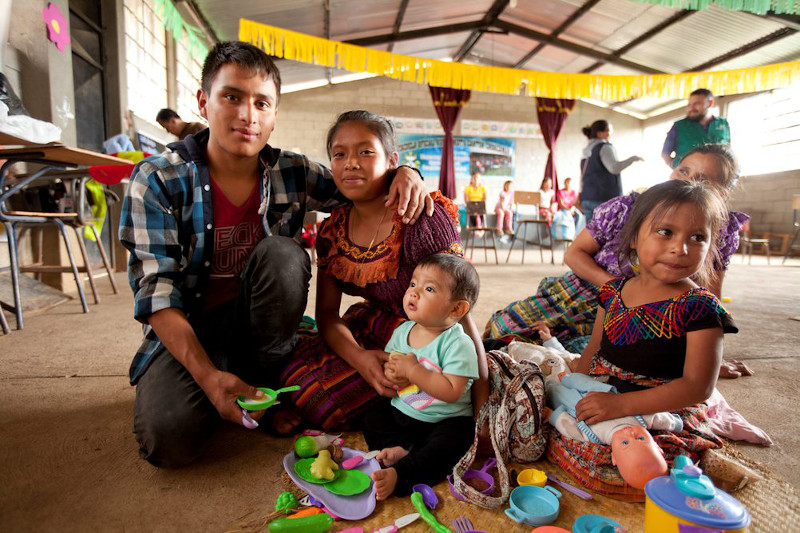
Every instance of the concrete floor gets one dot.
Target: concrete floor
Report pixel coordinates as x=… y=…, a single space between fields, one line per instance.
x=69 y=457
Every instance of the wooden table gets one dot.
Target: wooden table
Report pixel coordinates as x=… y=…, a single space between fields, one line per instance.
x=54 y=156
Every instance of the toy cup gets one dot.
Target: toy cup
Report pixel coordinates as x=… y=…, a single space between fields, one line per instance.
x=532 y=476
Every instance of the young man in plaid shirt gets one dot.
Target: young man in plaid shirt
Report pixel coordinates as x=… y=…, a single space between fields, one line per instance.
x=220 y=283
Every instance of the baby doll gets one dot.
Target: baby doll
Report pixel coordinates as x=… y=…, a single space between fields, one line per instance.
x=633 y=450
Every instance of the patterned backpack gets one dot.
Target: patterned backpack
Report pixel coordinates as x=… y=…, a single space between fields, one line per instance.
x=513 y=410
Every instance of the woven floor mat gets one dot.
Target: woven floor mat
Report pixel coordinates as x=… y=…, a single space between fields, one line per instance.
x=773 y=504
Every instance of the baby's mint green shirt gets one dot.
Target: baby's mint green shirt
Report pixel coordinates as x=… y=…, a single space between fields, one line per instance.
x=452 y=352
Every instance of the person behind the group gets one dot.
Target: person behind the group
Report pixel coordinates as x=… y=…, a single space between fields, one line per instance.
x=475 y=192
x=219 y=281
x=363 y=250
x=568 y=201
x=547 y=200
x=424 y=430
x=568 y=303
x=600 y=168
x=699 y=127
x=567 y=196
x=658 y=334
x=504 y=211
x=172 y=122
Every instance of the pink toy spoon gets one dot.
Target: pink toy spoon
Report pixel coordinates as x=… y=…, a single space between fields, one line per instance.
x=354 y=461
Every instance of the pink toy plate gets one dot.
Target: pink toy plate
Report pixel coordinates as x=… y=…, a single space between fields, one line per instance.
x=347 y=507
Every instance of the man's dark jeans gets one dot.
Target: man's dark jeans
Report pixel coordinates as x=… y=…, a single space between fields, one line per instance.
x=252 y=338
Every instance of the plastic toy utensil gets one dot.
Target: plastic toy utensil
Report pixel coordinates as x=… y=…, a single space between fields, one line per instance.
x=266 y=401
x=482 y=474
x=429 y=497
x=580 y=493
x=248 y=422
x=400 y=522
x=355 y=461
x=419 y=505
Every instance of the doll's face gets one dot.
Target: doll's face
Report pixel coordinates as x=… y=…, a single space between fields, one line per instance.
x=637 y=456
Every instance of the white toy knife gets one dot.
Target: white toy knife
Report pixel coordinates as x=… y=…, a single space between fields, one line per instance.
x=400 y=522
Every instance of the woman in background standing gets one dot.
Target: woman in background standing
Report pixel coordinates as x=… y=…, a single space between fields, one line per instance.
x=600 y=168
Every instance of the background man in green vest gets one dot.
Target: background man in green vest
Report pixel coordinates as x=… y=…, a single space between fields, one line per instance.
x=699 y=127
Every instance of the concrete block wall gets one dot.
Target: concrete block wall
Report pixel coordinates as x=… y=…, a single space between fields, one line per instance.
x=767 y=198
x=304 y=118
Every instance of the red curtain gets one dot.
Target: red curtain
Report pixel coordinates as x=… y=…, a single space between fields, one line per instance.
x=448 y=104
x=552 y=114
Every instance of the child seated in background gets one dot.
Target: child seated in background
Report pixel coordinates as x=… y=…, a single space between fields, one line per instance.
x=428 y=426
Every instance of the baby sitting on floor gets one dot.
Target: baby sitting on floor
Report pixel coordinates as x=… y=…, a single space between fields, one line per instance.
x=428 y=426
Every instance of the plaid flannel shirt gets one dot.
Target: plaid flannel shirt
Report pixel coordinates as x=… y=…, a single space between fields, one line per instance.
x=167 y=225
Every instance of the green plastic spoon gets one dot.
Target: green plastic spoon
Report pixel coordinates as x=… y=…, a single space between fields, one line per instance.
x=267 y=401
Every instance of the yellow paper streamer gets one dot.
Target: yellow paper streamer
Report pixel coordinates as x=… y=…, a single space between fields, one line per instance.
x=296 y=46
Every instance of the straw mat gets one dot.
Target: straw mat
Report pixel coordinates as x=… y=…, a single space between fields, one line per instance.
x=773 y=504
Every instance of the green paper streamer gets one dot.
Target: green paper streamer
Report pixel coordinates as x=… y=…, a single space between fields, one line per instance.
x=759 y=7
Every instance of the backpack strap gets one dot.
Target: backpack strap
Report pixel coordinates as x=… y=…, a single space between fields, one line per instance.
x=488 y=412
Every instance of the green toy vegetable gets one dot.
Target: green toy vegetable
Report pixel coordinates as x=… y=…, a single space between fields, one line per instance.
x=310 y=445
x=286 y=500
x=318 y=523
x=416 y=499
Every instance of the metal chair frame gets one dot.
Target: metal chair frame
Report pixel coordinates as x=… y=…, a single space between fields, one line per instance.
x=479 y=209
x=24 y=220
x=542 y=231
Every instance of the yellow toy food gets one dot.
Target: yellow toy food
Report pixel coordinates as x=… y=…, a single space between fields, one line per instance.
x=323 y=466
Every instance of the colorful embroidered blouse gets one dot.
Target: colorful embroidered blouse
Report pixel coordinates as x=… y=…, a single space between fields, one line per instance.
x=650 y=340
x=382 y=274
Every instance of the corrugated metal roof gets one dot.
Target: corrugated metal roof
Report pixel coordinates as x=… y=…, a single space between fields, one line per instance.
x=605 y=28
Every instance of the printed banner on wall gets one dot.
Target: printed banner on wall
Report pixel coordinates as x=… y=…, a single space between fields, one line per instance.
x=492 y=157
x=520 y=130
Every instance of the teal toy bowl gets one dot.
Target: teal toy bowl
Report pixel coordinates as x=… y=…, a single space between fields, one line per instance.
x=532 y=505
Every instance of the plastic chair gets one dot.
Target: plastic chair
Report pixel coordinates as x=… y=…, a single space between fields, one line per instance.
x=795 y=223
x=543 y=239
x=747 y=242
x=478 y=209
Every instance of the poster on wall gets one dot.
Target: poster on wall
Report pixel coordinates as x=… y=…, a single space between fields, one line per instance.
x=492 y=157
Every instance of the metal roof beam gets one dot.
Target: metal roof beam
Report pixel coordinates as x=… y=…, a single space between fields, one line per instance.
x=572 y=47
x=742 y=50
x=745 y=49
x=489 y=18
x=646 y=36
x=398 y=22
x=578 y=13
x=416 y=34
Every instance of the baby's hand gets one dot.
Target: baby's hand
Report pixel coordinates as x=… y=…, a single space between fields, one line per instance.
x=401 y=364
x=544 y=331
x=599 y=406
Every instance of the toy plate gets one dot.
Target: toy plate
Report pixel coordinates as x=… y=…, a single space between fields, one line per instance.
x=303 y=469
x=349 y=483
x=355 y=507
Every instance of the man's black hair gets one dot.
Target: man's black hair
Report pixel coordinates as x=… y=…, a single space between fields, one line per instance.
x=702 y=92
x=243 y=54
x=166 y=114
